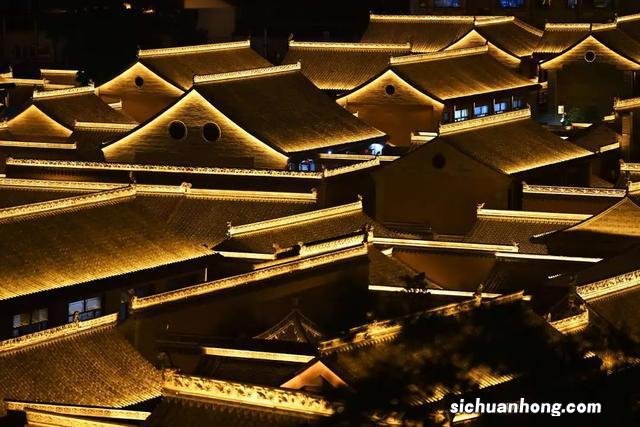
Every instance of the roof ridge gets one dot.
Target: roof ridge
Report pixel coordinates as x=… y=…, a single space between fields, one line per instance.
x=184 y=188
x=567 y=26
x=147 y=53
x=254 y=72
x=385 y=330
x=58 y=71
x=444 y=244
x=56 y=93
x=604 y=26
x=292 y=316
x=140 y=303
x=480 y=122
x=185 y=387
x=350 y=45
x=609 y=286
x=352 y=167
x=525 y=26
x=295 y=219
x=160 y=168
x=413 y=18
x=436 y=56
x=107 y=126
x=627 y=103
x=68 y=202
x=488 y=20
x=33 y=144
x=535 y=215
x=574 y=191
x=625 y=18
x=47 y=335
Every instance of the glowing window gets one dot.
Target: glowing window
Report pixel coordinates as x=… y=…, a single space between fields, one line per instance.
x=460 y=115
x=376 y=149
x=177 y=129
x=511 y=4
x=517 y=103
x=307 y=165
x=500 y=107
x=86 y=308
x=211 y=132
x=481 y=110
x=30 y=321
x=448 y=3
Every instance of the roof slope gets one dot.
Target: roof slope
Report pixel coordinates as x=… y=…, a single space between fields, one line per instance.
x=81 y=239
x=95 y=367
x=510 y=142
x=596 y=138
x=67 y=106
x=559 y=37
x=425 y=33
x=510 y=34
x=178 y=65
x=505 y=229
x=458 y=73
x=342 y=66
x=279 y=106
x=621 y=219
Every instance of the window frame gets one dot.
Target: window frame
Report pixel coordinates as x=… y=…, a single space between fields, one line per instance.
x=85 y=314
x=32 y=326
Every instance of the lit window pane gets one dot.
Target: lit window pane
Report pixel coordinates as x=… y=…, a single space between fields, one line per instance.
x=21 y=319
x=93 y=304
x=76 y=306
x=481 y=110
x=40 y=315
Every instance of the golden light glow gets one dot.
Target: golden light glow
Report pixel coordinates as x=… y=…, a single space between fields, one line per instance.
x=626 y=104
x=439 y=244
x=356 y=157
x=349 y=46
x=609 y=286
x=256 y=355
x=418 y=18
x=567 y=27
x=551 y=216
x=81 y=411
x=572 y=191
x=64 y=164
x=590 y=43
x=47 y=94
x=181 y=50
x=185 y=188
x=108 y=126
x=434 y=56
x=255 y=72
x=58 y=332
x=626 y=18
x=482 y=122
x=68 y=202
x=318 y=369
x=545 y=257
x=572 y=324
x=34 y=122
x=296 y=219
x=58 y=72
x=226 y=391
x=28 y=144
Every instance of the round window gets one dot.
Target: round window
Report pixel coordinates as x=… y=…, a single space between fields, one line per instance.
x=390 y=89
x=211 y=132
x=438 y=161
x=177 y=130
x=590 y=56
x=138 y=81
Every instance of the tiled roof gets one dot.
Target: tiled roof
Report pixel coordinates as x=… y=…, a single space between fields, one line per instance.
x=95 y=366
x=510 y=34
x=510 y=142
x=282 y=108
x=505 y=227
x=123 y=239
x=342 y=66
x=179 y=65
x=458 y=73
x=425 y=33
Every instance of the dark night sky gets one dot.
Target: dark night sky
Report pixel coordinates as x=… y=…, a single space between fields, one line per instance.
x=99 y=36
